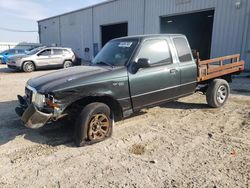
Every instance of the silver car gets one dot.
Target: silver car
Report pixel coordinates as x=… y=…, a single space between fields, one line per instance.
x=41 y=58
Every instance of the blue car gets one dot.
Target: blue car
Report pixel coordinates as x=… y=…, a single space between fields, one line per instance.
x=5 y=55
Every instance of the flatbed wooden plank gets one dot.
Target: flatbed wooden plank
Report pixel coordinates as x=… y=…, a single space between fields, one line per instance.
x=220 y=68
x=205 y=62
x=222 y=73
x=214 y=68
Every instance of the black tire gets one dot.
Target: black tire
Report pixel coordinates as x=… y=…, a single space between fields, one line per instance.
x=67 y=64
x=28 y=66
x=217 y=93
x=88 y=130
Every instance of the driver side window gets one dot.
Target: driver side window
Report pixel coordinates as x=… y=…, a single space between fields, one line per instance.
x=156 y=50
x=45 y=52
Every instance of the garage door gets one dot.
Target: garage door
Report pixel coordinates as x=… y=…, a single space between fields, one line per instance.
x=197 y=27
x=110 y=32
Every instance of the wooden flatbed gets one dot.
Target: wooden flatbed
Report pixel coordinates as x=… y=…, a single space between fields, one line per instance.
x=218 y=67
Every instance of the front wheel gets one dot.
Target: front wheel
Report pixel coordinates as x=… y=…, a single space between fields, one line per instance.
x=217 y=93
x=94 y=124
x=28 y=66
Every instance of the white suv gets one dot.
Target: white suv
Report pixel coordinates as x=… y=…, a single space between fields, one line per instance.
x=43 y=58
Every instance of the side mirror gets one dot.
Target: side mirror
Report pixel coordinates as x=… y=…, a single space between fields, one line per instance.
x=143 y=63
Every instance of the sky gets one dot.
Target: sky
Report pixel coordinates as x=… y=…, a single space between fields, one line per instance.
x=23 y=15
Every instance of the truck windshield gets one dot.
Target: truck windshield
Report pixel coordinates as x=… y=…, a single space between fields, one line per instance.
x=115 y=53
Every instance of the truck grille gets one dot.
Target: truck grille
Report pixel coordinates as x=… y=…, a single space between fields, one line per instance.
x=28 y=93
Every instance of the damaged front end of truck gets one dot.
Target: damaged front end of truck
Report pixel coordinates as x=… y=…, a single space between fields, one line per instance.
x=36 y=109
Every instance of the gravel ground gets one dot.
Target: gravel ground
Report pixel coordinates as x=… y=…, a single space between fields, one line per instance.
x=179 y=144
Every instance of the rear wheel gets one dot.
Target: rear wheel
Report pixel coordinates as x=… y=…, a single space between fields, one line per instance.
x=217 y=93
x=67 y=64
x=94 y=124
x=28 y=66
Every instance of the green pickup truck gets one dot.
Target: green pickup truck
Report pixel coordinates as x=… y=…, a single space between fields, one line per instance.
x=128 y=74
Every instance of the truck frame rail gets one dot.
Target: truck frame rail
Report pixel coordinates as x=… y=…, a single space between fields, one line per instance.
x=217 y=67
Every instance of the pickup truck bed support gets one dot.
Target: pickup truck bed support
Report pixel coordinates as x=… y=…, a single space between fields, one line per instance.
x=213 y=68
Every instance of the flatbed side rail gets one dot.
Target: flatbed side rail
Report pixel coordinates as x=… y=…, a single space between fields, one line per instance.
x=217 y=67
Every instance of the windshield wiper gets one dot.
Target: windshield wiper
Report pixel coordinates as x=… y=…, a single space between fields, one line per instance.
x=104 y=63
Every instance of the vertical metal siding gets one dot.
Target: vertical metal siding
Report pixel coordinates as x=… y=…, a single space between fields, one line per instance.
x=228 y=28
x=246 y=38
x=76 y=31
x=49 y=32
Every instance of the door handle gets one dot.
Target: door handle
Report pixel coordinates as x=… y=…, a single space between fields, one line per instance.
x=173 y=71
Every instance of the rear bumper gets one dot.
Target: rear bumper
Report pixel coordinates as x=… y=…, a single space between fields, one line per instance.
x=30 y=115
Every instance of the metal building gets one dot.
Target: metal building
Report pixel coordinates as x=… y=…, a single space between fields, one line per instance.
x=213 y=27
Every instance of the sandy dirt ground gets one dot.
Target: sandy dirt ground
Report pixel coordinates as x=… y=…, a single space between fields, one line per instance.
x=179 y=144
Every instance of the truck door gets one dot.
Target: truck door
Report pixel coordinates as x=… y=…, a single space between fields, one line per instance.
x=187 y=65
x=160 y=81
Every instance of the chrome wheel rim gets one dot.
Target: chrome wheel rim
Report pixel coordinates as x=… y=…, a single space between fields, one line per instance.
x=98 y=127
x=29 y=67
x=221 y=94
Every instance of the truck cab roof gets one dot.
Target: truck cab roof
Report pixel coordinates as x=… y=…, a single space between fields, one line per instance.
x=150 y=36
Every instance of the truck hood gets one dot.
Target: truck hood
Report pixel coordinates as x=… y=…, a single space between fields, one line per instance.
x=66 y=78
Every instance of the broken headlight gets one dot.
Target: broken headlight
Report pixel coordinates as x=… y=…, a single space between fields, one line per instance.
x=38 y=99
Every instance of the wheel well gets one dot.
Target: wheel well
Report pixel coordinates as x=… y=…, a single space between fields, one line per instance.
x=76 y=107
x=206 y=84
x=228 y=78
x=68 y=60
x=29 y=61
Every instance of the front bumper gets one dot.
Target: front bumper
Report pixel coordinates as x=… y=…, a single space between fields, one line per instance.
x=30 y=115
x=13 y=66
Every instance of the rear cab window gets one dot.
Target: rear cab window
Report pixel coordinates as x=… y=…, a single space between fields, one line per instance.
x=183 y=49
x=156 y=50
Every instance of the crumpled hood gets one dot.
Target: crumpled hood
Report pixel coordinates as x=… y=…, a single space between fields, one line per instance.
x=64 y=78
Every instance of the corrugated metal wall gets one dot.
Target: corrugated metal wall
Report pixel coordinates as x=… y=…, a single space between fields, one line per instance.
x=49 y=31
x=82 y=28
x=76 y=31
